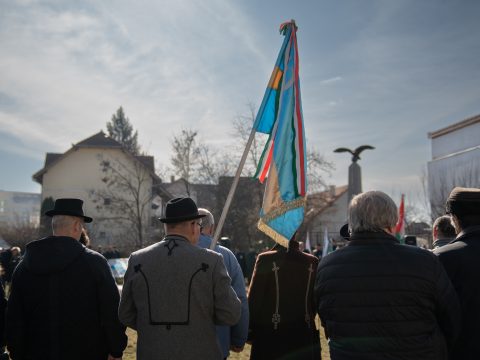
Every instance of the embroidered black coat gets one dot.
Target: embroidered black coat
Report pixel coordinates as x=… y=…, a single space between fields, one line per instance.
x=282 y=311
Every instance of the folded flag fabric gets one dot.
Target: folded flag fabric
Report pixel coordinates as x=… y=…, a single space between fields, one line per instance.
x=283 y=161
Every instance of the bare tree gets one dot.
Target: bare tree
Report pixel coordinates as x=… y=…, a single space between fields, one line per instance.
x=317 y=167
x=127 y=196
x=441 y=183
x=242 y=127
x=19 y=233
x=185 y=153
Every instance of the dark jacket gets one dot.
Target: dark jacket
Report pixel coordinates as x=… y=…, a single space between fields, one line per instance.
x=461 y=260
x=63 y=304
x=378 y=299
x=282 y=310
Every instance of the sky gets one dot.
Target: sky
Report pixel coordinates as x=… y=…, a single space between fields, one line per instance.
x=383 y=73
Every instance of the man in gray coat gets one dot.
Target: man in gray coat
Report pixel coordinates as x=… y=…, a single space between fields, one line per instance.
x=175 y=292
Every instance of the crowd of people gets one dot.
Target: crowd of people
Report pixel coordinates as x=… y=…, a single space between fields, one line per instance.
x=375 y=298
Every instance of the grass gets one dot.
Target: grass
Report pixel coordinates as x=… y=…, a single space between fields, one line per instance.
x=129 y=353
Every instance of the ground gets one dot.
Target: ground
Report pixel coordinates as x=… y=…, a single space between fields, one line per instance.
x=244 y=355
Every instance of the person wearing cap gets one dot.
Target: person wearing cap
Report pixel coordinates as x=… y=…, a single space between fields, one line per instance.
x=443 y=231
x=378 y=299
x=230 y=337
x=282 y=307
x=64 y=300
x=461 y=259
x=175 y=292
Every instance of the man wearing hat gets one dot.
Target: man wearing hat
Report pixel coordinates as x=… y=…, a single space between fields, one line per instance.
x=64 y=300
x=175 y=293
x=461 y=259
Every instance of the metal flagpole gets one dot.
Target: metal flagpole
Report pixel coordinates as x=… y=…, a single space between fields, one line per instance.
x=219 y=227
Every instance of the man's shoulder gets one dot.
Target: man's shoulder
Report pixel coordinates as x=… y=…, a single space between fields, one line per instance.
x=94 y=257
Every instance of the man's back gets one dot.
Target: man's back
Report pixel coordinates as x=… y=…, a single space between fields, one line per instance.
x=461 y=260
x=378 y=299
x=63 y=304
x=282 y=310
x=174 y=294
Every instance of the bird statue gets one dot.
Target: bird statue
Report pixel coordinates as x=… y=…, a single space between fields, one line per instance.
x=356 y=152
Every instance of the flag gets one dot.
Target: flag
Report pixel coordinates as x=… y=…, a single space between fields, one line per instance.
x=283 y=160
x=308 y=246
x=326 y=243
x=400 y=227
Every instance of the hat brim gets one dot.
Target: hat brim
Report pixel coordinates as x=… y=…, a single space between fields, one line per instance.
x=180 y=219
x=51 y=213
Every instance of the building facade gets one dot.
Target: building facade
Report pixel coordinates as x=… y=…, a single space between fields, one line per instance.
x=19 y=208
x=120 y=191
x=455 y=161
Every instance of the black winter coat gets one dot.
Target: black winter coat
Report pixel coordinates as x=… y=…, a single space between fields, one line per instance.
x=378 y=299
x=63 y=304
x=461 y=259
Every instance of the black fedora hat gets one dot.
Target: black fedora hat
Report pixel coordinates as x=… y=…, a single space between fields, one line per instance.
x=180 y=209
x=71 y=207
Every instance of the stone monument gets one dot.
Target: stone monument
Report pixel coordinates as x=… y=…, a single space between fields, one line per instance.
x=354 y=170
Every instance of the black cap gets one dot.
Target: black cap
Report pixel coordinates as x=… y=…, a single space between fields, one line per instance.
x=463 y=201
x=344 y=232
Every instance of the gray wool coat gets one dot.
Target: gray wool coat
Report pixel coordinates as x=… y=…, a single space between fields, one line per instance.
x=174 y=294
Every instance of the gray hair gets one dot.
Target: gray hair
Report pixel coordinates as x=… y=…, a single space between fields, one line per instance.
x=372 y=211
x=62 y=222
x=207 y=220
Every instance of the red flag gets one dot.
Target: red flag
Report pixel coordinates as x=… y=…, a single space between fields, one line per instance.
x=400 y=227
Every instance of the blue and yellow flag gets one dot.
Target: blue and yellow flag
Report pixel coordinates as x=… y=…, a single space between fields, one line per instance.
x=283 y=161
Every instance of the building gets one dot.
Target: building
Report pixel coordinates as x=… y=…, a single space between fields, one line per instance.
x=326 y=210
x=240 y=227
x=455 y=161
x=120 y=191
x=19 y=208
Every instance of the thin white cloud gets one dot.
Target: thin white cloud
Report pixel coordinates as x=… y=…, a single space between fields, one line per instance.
x=331 y=80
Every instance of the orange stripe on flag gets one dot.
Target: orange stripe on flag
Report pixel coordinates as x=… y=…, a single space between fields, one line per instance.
x=275 y=78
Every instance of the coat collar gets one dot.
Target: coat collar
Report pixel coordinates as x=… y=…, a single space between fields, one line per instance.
x=467 y=232
x=367 y=237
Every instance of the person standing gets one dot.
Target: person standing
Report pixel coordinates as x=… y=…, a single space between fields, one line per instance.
x=282 y=308
x=230 y=337
x=378 y=299
x=442 y=231
x=63 y=302
x=461 y=259
x=175 y=293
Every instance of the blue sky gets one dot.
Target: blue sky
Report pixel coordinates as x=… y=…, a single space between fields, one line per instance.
x=383 y=73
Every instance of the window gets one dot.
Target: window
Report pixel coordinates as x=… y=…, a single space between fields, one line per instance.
x=107 y=201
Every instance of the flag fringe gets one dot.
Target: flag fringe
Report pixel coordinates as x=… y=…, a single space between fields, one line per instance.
x=263 y=227
x=282 y=209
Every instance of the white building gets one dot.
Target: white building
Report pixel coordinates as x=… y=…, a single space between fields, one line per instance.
x=120 y=191
x=19 y=208
x=455 y=161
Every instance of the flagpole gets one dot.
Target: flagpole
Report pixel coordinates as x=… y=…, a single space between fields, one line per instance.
x=228 y=202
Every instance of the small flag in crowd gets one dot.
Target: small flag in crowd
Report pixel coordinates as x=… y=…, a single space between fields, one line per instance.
x=308 y=245
x=326 y=243
x=283 y=161
x=400 y=227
